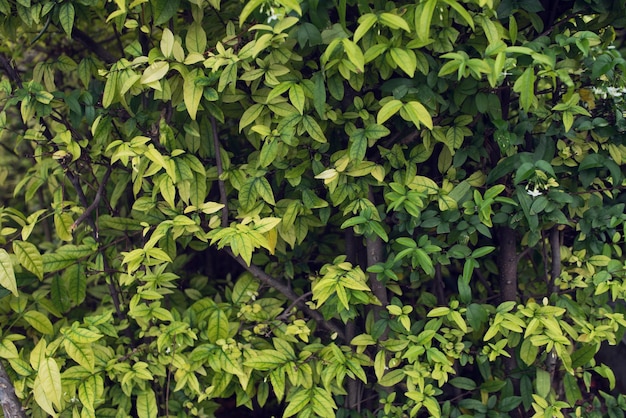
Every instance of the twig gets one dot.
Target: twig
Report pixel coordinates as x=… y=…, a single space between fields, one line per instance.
x=11 y=405
x=283 y=316
x=288 y=293
x=555 y=246
x=12 y=73
x=94 y=46
x=96 y=200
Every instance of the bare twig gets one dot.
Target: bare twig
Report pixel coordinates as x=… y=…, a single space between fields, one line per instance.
x=11 y=405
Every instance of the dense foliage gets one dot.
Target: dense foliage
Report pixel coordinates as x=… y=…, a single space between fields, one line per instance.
x=317 y=208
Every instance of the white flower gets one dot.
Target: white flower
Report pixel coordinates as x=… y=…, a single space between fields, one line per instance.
x=272 y=15
x=614 y=91
x=534 y=192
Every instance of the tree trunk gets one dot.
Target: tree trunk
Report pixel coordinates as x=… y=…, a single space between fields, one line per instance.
x=11 y=405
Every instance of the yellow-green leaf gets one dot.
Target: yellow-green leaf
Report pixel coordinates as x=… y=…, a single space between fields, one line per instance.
x=192 y=92
x=63 y=225
x=49 y=378
x=81 y=353
x=297 y=98
x=29 y=257
x=217 y=327
x=39 y=321
x=7 y=274
x=146 y=404
x=155 y=72
x=388 y=110
x=196 y=41
x=417 y=113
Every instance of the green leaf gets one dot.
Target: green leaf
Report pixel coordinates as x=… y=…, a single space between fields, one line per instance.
x=155 y=72
x=266 y=360
x=50 y=379
x=66 y=17
x=88 y=389
x=358 y=147
x=462 y=12
x=163 y=10
x=217 y=327
x=297 y=402
x=388 y=110
x=525 y=86
x=81 y=353
x=366 y=22
x=297 y=98
x=39 y=321
x=392 y=378
x=7 y=274
x=463 y=383
x=245 y=289
x=63 y=225
x=250 y=7
x=417 y=114
x=394 y=21
x=192 y=92
x=423 y=17
x=196 y=39
x=313 y=129
x=146 y=404
x=29 y=257
x=542 y=383
x=583 y=355
x=355 y=54
x=405 y=59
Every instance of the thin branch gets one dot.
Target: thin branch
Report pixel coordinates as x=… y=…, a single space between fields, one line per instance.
x=555 y=246
x=288 y=293
x=11 y=405
x=94 y=46
x=283 y=316
x=10 y=70
x=96 y=200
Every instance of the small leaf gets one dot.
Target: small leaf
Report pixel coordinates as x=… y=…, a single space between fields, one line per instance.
x=146 y=404
x=192 y=92
x=29 y=257
x=7 y=274
x=155 y=72
x=217 y=327
x=388 y=110
x=39 y=321
x=66 y=16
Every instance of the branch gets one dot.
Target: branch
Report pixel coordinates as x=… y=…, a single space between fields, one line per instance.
x=95 y=202
x=11 y=72
x=555 y=246
x=94 y=46
x=288 y=293
x=283 y=316
x=11 y=405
